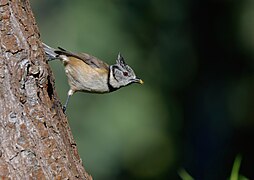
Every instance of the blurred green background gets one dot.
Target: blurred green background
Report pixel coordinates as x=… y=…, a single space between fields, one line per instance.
x=195 y=110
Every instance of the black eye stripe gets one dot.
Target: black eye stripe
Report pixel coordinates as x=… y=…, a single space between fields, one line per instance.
x=116 y=67
x=124 y=70
x=113 y=71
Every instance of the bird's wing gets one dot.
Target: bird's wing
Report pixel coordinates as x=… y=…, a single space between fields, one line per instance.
x=86 y=58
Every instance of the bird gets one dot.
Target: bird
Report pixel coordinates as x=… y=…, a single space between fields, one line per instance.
x=87 y=73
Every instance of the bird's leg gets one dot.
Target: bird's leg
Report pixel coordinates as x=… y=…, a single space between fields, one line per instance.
x=70 y=92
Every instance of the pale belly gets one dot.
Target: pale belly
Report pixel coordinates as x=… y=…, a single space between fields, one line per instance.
x=88 y=81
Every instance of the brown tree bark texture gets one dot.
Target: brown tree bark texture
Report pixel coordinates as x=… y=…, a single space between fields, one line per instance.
x=35 y=137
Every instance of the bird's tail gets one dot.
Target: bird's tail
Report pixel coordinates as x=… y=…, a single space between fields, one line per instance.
x=50 y=52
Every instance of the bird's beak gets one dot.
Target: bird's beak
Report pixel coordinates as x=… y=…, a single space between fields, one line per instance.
x=137 y=80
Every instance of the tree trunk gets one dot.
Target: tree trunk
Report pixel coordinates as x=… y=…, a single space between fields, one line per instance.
x=35 y=137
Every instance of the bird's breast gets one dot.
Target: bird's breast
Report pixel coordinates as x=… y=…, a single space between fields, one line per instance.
x=82 y=77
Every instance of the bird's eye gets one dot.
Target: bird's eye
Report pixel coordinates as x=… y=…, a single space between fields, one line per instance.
x=125 y=73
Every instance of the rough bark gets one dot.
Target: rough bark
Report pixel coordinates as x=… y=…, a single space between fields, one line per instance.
x=35 y=137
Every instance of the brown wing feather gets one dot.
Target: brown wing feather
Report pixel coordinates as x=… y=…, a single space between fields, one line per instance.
x=86 y=58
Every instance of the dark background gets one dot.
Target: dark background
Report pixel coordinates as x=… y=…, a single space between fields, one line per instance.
x=195 y=110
